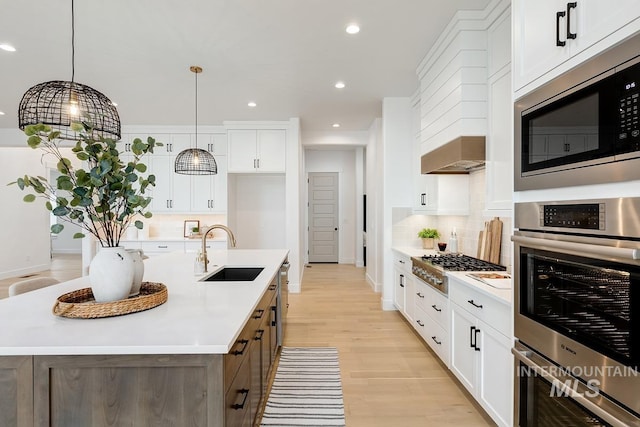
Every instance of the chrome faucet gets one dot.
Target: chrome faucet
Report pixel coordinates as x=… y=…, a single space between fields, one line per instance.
x=205 y=260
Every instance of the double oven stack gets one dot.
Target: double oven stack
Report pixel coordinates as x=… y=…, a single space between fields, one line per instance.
x=577 y=312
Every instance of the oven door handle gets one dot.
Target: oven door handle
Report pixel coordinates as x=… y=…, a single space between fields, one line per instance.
x=577 y=248
x=523 y=356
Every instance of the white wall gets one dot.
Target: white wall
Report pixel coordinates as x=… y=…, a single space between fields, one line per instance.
x=344 y=163
x=396 y=178
x=24 y=234
x=373 y=172
x=258 y=220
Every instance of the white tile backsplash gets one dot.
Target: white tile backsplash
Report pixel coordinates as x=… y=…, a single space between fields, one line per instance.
x=467 y=227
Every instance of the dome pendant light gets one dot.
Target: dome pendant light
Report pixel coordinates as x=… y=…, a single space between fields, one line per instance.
x=60 y=103
x=195 y=161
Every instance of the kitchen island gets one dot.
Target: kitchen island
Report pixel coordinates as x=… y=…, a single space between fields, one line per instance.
x=200 y=359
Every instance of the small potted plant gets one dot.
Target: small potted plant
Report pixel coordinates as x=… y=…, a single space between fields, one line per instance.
x=428 y=235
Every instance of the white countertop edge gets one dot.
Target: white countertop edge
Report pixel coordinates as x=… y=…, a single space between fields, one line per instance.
x=412 y=251
x=500 y=295
x=115 y=350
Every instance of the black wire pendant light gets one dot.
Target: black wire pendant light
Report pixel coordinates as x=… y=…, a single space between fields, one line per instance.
x=60 y=103
x=195 y=161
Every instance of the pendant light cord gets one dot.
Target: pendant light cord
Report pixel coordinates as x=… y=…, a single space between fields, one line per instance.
x=73 y=47
x=196 y=109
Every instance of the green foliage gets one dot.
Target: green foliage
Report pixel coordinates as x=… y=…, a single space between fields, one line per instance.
x=428 y=233
x=105 y=196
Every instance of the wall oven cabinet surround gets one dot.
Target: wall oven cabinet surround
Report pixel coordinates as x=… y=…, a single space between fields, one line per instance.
x=577 y=272
x=584 y=127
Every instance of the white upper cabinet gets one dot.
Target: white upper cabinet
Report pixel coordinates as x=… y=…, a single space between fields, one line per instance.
x=261 y=150
x=209 y=192
x=552 y=36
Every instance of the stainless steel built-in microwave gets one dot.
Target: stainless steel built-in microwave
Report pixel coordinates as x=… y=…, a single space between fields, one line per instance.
x=584 y=126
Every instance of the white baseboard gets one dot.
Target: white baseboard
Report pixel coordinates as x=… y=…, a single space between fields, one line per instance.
x=388 y=305
x=67 y=251
x=359 y=263
x=294 y=288
x=374 y=285
x=24 y=271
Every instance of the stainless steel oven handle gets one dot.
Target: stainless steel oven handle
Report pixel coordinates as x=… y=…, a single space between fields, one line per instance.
x=523 y=356
x=535 y=243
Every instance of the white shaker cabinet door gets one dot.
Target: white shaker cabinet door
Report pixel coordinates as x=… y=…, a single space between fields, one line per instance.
x=242 y=150
x=463 y=353
x=271 y=153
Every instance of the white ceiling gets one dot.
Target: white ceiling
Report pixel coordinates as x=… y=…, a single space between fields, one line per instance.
x=285 y=55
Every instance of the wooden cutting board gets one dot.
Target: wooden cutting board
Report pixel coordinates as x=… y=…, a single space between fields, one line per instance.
x=489 y=240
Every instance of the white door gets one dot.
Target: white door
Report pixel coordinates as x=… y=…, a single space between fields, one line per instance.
x=323 y=217
x=463 y=353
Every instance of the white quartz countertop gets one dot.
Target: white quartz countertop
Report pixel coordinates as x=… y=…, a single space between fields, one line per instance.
x=413 y=251
x=501 y=293
x=198 y=317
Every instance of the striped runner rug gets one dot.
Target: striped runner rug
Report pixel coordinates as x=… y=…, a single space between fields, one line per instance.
x=306 y=390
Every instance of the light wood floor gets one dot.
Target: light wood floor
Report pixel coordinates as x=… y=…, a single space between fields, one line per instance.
x=389 y=376
x=63 y=267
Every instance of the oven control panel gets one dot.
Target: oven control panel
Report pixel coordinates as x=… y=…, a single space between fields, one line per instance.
x=585 y=216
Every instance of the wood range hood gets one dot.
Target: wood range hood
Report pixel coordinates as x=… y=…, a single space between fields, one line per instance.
x=460 y=156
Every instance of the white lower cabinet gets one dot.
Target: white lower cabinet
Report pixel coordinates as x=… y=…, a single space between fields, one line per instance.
x=401 y=274
x=431 y=318
x=480 y=352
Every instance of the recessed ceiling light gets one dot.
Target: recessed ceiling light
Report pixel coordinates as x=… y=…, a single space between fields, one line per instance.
x=336 y=125
x=339 y=85
x=252 y=104
x=353 y=29
x=1 y=113
x=7 y=47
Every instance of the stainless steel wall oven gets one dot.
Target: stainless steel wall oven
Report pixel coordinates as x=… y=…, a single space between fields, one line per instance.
x=577 y=312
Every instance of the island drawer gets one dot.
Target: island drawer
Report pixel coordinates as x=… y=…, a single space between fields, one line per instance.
x=238 y=398
x=239 y=351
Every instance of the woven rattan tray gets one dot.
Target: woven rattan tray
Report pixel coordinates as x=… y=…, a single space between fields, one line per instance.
x=80 y=304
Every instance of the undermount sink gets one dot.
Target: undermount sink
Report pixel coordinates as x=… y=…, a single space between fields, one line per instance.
x=234 y=274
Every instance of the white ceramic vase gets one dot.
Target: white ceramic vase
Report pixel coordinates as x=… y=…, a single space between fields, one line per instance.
x=138 y=271
x=111 y=274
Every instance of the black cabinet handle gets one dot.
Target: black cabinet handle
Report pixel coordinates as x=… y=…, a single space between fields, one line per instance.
x=474 y=304
x=402 y=280
x=436 y=341
x=477 y=331
x=471 y=336
x=162 y=246
x=273 y=322
x=259 y=338
x=259 y=314
x=571 y=5
x=419 y=294
x=436 y=308
x=401 y=261
x=419 y=323
x=258 y=163
x=244 y=400
x=244 y=347
x=558 y=16
x=423 y=199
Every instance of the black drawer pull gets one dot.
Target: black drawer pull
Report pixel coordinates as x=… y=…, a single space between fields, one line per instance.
x=419 y=294
x=558 y=41
x=244 y=399
x=273 y=287
x=474 y=304
x=259 y=338
x=419 y=323
x=436 y=341
x=436 y=308
x=259 y=314
x=570 y=6
x=244 y=347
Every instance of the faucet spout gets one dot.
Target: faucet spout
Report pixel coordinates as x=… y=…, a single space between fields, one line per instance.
x=232 y=240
